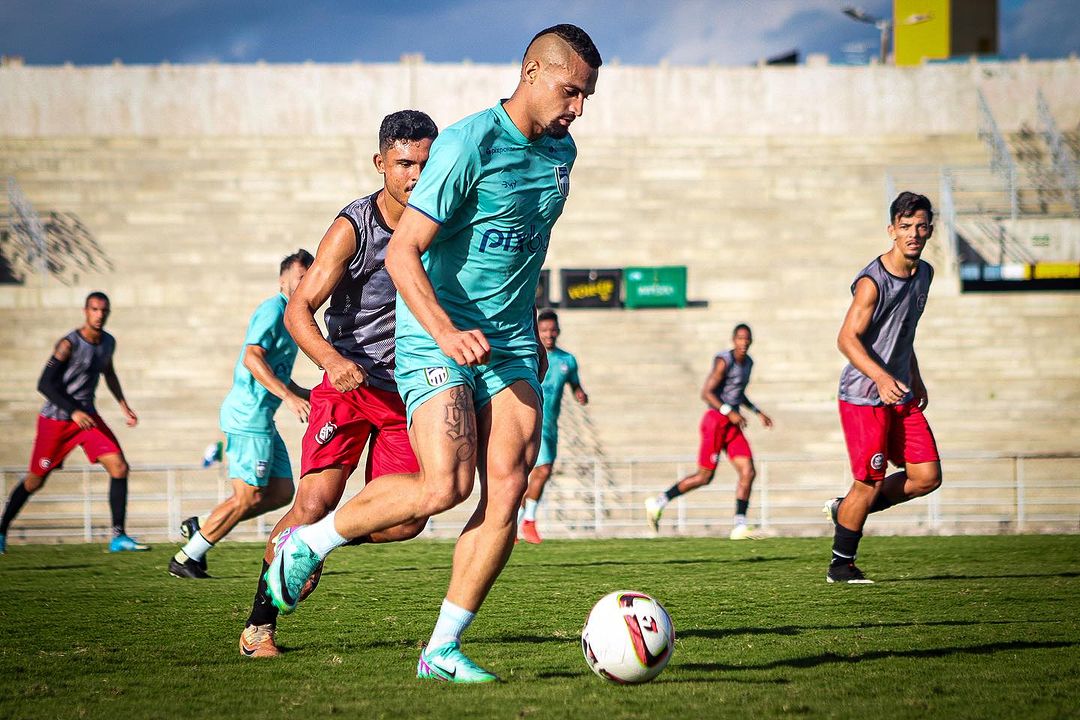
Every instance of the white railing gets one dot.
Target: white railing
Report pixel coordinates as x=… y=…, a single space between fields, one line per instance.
x=1001 y=159
x=1063 y=161
x=982 y=493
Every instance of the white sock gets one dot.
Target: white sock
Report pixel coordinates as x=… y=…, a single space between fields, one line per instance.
x=453 y=620
x=197 y=547
x=521 y=514
x=321 y=537
x=662 y=500
x=530 y=510
x=740 y=519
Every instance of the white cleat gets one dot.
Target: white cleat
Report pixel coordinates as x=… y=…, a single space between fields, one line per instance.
x=653 y=511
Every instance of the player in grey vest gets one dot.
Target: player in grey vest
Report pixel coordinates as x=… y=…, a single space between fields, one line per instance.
x=721 y=431
x=69 y=418
x=357 y=404
x=881 y=394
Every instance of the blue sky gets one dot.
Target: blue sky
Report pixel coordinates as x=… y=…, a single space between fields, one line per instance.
x=636 y=32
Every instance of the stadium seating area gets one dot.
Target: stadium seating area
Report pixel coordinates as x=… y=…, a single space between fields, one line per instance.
x=772 y=229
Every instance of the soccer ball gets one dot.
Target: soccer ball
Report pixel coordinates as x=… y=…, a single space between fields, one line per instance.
x=628 y=637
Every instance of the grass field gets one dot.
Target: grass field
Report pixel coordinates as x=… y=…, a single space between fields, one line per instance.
x=958 y=627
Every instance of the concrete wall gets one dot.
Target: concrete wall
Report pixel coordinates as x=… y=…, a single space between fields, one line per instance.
x=172 y=100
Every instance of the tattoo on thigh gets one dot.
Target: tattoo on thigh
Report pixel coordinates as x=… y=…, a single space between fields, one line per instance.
x=461 y=423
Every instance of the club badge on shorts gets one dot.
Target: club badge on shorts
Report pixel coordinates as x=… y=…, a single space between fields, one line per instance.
x=878 y=461
x=260 y=469
x=562 y=180
x=325 y=433
x=436 y=376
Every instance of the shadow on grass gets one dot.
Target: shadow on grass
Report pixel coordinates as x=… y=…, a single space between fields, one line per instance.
x=833 y=658
x=787 y=630
x=41 y=568
x=667 y=678
x=982 y=577
x=701 y=561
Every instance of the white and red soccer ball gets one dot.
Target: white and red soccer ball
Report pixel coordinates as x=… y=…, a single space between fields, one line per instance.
x=628 y=637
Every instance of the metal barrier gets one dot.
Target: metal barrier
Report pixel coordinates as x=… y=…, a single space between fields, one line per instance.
x=982 y=493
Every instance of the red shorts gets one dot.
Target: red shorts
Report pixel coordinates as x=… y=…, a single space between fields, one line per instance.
x=341 y=425
x=57 y=438
x=718 y=434
x=876 y=433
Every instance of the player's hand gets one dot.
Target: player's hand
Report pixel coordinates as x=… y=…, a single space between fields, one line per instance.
x=919 y=391
x=891 y=390
x=83 y=419
x=129 y=415
x=736 y=419
x=344 y=375
x=765 y=420
x=466 y=347
x=581 y=397
x=299 y=407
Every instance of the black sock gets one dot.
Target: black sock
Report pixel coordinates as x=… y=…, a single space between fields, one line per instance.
x=362 y=540
x=741 y=506
x=263 y=611
x=845 y=545
x=881 y=503
x=673 y=492
x=18 y=498
x=118 y=504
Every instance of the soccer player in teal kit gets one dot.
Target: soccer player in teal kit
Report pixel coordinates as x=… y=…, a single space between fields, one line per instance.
x=466 y=260
x=562 y=371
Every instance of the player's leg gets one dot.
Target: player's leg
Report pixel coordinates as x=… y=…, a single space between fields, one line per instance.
x=744 y=483
x=508 y=443
x=391 y=454
x=527 y=514
x=53 y=440
x=443 y=433
x=913 y=447
x=711 y=430
x=116 y=466
x=866 y=432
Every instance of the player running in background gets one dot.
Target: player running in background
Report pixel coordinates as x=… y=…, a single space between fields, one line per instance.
x=466 y=259
x=722 y=431
x=69 y=418
x=356 y=405
x=262 y=478
x=882 y=395
x=562 y=371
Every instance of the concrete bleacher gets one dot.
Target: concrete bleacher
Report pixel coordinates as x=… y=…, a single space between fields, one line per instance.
x=772 y=228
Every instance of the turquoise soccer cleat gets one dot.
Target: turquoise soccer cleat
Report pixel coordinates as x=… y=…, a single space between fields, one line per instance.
x=125 y=543
x=3 y=544
x=448 y=664
x=294 y=564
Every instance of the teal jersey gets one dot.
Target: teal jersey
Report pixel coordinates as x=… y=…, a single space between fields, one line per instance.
x=496 y=197
x=249 y=407
x=562 y=370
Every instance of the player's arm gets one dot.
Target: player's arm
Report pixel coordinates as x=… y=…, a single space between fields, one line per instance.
x=414 y=234
x=574 y=381
x=918 y=387
x=51 y=385
x=113 y=383
x=336 y=249
x=765 y=419
x=255 y=362
x=708 y=393
x=850 y=343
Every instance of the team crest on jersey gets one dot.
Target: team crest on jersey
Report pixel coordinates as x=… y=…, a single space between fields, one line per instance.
x=878 y=461
x=436 y=376
x=562 y=179
x=260 y=468
x=325 y=433
x=921 y=301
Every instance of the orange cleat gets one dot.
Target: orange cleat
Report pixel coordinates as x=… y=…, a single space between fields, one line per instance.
x=529 y=534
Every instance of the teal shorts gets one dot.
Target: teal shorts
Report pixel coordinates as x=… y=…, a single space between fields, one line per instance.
x=255 y=459
x=418 y=385
x=549 y=445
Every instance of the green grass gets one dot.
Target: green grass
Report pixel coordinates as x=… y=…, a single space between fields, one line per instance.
x=957 y=627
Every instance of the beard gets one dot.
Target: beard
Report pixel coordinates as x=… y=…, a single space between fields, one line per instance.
x=556 y=130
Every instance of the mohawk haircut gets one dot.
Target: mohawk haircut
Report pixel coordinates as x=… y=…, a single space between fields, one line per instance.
x=577 y=39
x=301 y=256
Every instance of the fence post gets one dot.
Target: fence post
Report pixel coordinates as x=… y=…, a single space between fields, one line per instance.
x=172 y=510
x=680 y=508
x=1021 y=505
x=598 y=498
x=763 y=495
x=88 y=523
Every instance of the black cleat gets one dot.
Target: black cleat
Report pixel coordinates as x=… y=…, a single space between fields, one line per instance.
x=847 y=573
x=188 y=528
x=187 y=569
